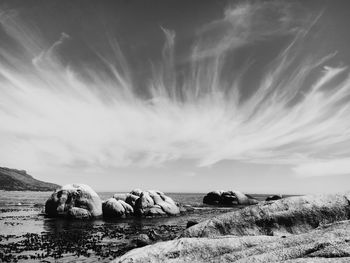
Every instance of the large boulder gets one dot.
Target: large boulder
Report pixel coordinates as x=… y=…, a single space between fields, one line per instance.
x=153 y=203
x=291 y=215
x=74 y=201
x=228 y=198
x=165 y=202
x=326 y=244
x=116 y=208
x=212 y=198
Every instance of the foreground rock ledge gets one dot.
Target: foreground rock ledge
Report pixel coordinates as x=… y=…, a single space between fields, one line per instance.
x=293 y=215
x=329 y=243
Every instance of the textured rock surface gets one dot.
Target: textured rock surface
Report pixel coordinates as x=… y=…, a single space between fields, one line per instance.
x=144 y=204
x=291 y=215
x=66 y=201
x=153 y=203
x=79 y=213
x=228 y=198
x=131 y=199
x=142 y=240
x=213 y=197
x=329 y=243
x=116 y=208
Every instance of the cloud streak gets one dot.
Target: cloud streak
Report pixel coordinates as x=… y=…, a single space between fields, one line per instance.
x=52 y=116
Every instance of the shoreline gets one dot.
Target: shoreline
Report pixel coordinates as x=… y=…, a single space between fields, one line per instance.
x=63 y=240
x=98 y=239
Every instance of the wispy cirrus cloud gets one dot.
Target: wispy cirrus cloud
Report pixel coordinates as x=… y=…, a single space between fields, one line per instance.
x=52 y=116
x=245 y=23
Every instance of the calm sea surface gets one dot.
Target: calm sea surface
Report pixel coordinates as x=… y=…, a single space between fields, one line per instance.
x=23 y=224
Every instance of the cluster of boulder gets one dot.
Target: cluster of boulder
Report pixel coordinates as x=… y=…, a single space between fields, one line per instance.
x=228 y=198
x=140 y=203
x=293 y=229
x=81 y=202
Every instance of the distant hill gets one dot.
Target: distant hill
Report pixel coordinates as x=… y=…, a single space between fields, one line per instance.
x=19 y=180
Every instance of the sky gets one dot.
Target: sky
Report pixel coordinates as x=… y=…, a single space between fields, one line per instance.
x=180 y=96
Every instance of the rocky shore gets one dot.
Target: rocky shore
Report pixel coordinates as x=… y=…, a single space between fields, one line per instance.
x=328 y=243
x=295 y=229
x=80 y=201
x=90 y=244
x=79 y=226
x=29 y=234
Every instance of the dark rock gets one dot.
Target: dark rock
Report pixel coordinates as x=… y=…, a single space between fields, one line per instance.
x=131 y=199
x=273 y=197
x=191 y=223
x=212 y=198
x=155 y=236
x=142 y=240
x=228 y=198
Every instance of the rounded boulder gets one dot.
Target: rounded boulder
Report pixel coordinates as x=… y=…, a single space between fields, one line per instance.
x=155 y=203
x=212 y=198
x=74 y=201
x=113 y=208
x=228 y=198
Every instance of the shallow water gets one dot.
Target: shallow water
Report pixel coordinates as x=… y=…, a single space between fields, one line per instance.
x=26 y=234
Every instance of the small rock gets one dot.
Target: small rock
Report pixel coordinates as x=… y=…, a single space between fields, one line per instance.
x=142 y=240
x=273 y=197
x=191 y=223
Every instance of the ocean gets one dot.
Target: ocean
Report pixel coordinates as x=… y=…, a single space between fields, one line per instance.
x=26 y=234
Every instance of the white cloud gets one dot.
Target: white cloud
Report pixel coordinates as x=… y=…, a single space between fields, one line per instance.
x=52 y=118
x=246 y=23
